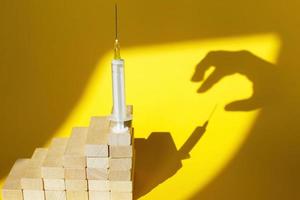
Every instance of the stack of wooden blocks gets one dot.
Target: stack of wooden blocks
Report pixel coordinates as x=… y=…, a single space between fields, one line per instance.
x=93 y=164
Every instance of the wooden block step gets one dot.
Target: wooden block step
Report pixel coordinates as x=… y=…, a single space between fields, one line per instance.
x=74 y=155
x=58 y=146
x=52 y=166
x=32 y=179
x=11 y=189
x=97 y=137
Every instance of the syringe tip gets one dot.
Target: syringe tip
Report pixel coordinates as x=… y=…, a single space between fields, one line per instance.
x=117 y=54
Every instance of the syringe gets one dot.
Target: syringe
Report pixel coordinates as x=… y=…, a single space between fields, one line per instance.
x=119 y=114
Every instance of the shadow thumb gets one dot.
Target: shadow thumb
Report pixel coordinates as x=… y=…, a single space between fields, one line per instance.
x=242 y=105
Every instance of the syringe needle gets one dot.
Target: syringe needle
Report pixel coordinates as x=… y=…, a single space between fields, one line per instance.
x=116 y=21
x=117 y=54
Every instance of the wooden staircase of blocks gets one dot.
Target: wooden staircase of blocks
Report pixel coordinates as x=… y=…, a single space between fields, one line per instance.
x=93 y=164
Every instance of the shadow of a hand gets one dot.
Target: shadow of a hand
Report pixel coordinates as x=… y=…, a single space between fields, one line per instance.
x=262 y=74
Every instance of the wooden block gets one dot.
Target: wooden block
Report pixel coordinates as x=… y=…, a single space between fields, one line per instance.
x=75 y=173
x=18 y=170
x=12 y=194
x=38 y=157
x=99 y=150
x=99 y=123
x=121 y=196
x=76 y=185
x=96 y=195
x=11 y=189
x=97 y=173
x=77 y=195
x=120 y=151
x=99 y=185
x=97 y=137
x=119 y=139
x=58 y=146
x=34 y=194
x=76 y=142
x=119 y=175
x=74 y=161
x=74 y=155
x=121 y=186
x=97 y=162
x=55 y=195
x=54 y=184
x=53 y=172
x=120 y=164
x=32 y=183
x=53 y=164
x=32 y=179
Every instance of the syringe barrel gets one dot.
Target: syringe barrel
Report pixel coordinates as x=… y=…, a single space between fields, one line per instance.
x=118 y=83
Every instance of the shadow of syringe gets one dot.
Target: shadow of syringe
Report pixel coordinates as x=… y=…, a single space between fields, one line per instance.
x=158 y=159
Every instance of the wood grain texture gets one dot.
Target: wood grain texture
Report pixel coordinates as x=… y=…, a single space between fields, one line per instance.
x=54 y=184
x=121 y=196
x=120 y=151
x=97 y=137
x=76 y=185
x=32 y=179
x=11 y=189
x=75 y=173
x=120 y=139
x=77 y=195
x=120 y=164
x=102 y=163
x=98 y=195
x=121 y=186
x=74 y=155
x=119 y=175
x=34 y=195
x=52 y=166
x=99 y=185
x=55 y=195
x=97 y=173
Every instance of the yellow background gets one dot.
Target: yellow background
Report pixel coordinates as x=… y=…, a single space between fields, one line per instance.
x=55 y=74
